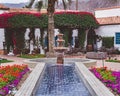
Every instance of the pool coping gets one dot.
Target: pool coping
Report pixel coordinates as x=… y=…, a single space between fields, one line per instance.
x=32 y=62
x=95 y=87
x=30 y=83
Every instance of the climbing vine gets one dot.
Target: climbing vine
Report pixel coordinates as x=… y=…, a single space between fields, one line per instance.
x=81 y=37
x=62 y=19
x=65 y=20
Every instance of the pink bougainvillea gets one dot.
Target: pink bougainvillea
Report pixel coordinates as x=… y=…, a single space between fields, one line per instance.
x=110 y=78
x=5 y=16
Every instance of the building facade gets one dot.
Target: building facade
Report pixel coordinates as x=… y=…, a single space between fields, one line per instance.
x=109 y=20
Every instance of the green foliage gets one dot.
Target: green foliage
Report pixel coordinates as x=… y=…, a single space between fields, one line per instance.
x=9 y=77
x=111 y=60
x=74 y=21
x=68 y=20
x=32 y=56
x=5 y=61
x=65 y=36
x=108 y=42
x=87 y=21
x=81 y=37
x=2 y=84
x=107 y=75
x=43 y=21
x=24 y=20
x=20 y=39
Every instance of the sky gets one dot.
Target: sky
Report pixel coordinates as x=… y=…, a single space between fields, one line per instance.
x=13 y=1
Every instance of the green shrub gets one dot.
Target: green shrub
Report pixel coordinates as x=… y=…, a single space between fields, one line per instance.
x=108 y=42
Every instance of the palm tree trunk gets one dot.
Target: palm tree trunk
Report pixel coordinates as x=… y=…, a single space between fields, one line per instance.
x=50 y=10
x=76 y=4
x=30 y=4
x=51 y=32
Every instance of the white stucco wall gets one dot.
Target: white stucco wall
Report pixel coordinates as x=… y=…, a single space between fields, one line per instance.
x=2 y=32
x=2 y=39
x=107 y=13
x=108 y=31
x=3 y=11
x=37 y=33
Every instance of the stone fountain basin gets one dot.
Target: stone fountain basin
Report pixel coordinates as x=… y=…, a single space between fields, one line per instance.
x=60 y=49
x=95 y=87
x=33 y=62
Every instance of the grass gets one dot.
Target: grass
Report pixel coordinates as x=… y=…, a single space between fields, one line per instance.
x=32 y=56
x=111 y=60
x=5 y=61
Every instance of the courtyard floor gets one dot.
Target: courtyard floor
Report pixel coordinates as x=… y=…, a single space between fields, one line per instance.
x=110 y=65
x=100 y=63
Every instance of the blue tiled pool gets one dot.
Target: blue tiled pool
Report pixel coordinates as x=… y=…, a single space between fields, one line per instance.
x=61 y=80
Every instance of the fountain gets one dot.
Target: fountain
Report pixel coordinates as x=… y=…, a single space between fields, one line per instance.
x=61 y=79
x=69 y=79
x=60 y=49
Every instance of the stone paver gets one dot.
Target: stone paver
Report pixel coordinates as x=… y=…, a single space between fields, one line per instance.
x=110 y=65
x=95 y=87
x=16 y=60
x=30 y=83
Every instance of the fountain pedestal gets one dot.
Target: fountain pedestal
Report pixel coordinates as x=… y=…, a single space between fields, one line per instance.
x=60 y=49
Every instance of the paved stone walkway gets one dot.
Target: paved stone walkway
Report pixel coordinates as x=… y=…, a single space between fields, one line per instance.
x=16 y=60
x=100 y=63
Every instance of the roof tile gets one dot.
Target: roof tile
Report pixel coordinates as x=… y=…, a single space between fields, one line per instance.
x=109 y=20
x=3 y=7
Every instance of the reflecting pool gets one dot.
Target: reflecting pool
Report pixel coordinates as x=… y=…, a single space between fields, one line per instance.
x=61 y=80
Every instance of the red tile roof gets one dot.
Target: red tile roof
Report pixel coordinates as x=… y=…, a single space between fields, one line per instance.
x=26 y=10
x=107 y=8
x=109 y=20
x=3 y=7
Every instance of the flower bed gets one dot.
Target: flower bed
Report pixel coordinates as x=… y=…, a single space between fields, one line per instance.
x=110 y=78
x=10 y=76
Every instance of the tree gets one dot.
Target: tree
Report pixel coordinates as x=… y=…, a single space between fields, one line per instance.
x=50 y=10
x=76 y=4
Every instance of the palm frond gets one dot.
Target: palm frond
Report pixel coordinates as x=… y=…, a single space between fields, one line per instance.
x=30 y=4
x=39 y=5
x=64 y=4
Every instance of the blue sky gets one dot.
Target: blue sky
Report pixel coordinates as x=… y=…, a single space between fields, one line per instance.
x=13 y=1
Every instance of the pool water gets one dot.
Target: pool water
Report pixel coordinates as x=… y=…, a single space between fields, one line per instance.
x=61 y=80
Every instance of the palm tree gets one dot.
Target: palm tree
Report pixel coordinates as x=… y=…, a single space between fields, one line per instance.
x=76 y=4
x=50 y=10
